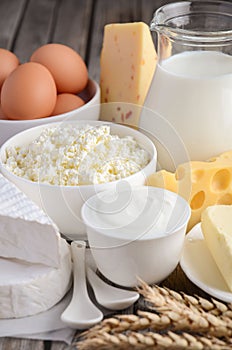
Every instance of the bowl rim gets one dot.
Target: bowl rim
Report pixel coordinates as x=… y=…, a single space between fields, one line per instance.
x=95 y=97
x=143 y=238
x=7 y=143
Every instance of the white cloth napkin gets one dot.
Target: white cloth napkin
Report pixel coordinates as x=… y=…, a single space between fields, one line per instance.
x=44 y=326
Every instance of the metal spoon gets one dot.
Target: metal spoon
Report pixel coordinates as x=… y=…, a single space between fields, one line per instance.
x=109 y=296
x=81 y=313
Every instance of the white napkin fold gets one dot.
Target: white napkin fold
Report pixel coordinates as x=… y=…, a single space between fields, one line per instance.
x=65 y=335
x=44 y=326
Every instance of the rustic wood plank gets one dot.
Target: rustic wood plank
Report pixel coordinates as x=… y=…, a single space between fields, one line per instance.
x=148 y=9
x=20 y=344
x=72 y=24
x=108 y=12
x=11 y=16
x=36 y=27
x=55 y=345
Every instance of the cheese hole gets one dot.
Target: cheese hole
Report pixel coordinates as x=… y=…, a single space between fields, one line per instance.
x=225 y=199
x=197 y=175
x=198 y=200
x=220 y=180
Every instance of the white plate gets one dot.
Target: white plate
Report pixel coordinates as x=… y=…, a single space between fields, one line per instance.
x=199 y=266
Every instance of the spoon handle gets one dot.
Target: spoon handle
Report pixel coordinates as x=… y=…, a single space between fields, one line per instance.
x=79 y=274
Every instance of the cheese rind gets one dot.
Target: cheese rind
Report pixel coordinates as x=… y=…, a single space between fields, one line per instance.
x=26 y=232
x=28 y=289
x=202 y=184
x=128 y=61
x=216 y=224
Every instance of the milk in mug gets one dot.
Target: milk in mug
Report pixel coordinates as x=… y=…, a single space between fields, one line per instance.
x=193 y=91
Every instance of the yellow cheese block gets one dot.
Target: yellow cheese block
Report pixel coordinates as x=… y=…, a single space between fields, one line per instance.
x=128 y=61
x=216 y=224
x=202 y=184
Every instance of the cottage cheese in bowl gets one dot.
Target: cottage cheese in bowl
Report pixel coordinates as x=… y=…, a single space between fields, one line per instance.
x=73 y=156
x=60 y=165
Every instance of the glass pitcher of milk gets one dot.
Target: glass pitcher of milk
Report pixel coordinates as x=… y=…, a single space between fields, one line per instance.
x=192 y=84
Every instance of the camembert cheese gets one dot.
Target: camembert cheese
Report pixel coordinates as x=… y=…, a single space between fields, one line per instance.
x=128 y=61
x=26 y=232
x=35 y=262
x=216 y=223
x=28 y=289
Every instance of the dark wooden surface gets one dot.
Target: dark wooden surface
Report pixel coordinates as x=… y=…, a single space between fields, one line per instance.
x=27 y=24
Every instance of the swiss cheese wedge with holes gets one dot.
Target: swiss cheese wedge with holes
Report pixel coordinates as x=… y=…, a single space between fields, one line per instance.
x=202 y=184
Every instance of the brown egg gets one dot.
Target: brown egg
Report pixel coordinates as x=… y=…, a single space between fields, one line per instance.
x=2 y=115
x=29 y=92
x=66 y=65
x=8 y=62
x=66 y=103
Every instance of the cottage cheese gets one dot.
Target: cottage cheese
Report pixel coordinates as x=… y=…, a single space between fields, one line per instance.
x=72 y=156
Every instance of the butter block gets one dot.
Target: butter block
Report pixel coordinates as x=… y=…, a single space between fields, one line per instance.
x=202 y=184
x=26 y=232
x=128 y=61
x=216 y=224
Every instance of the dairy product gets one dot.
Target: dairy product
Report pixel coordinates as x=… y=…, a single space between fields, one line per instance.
x=201 y=183
x=26 y=233
x=138 y=213
x=193 y=91
x=70 y=155
x=128 y=61
x=27 y=289
x=217 y=230
x=35 y=262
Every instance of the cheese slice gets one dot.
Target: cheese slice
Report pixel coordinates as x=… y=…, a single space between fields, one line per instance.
x=128 y=61
x=202 y=184
x=26 y=232
x=28 y=289
x=216 y=223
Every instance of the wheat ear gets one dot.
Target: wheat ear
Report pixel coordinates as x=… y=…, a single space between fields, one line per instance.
x=159 y=296
x=185 y=314
x=172 y=320
x=148 y=340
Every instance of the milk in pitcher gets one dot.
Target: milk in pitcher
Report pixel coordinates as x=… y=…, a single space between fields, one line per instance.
x=193 y=91
x=189 y=104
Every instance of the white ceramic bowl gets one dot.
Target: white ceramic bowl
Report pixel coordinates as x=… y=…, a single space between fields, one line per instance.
x=136 y=232
x=89 y=111
x=63 y=203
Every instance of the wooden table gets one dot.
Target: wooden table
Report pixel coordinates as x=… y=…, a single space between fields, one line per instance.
x=28 y=24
